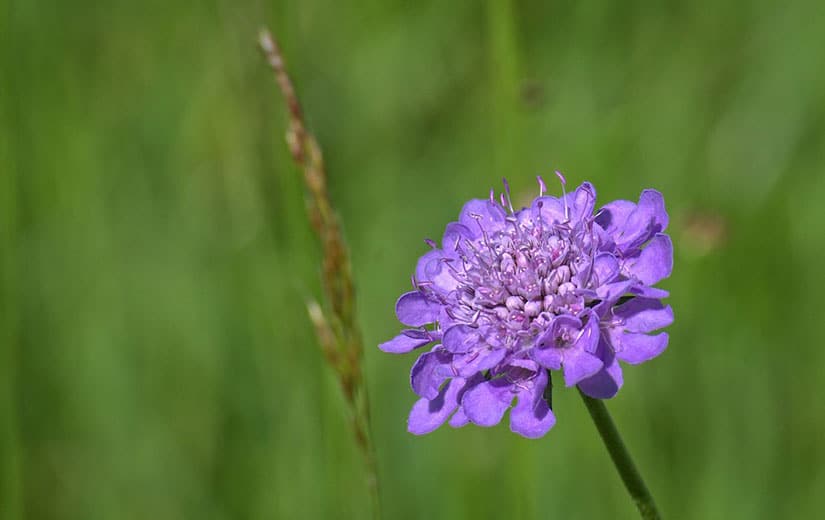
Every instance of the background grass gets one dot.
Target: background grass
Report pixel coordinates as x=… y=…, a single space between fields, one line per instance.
x=156 y=360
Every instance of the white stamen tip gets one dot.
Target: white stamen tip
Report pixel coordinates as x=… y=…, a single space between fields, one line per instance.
x=542 y=185
x=561 y=178
x=564 y=194
x=507 y=197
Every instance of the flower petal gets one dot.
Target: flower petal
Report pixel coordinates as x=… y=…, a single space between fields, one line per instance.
x=521 y=367
x=610 y=294
x=427 y=415
x=415 y=309
x=654 y=263
x=580 y=361
x=425 y=376
x=453 y=235
x=549 y=209
x=588 y=341
x=614 y=291
x=612 y=216
x=643 y=315
x=654 y=203
x=649 y=292
x=532 y=417
x=547 y=357
x=638 y=348
x=604 y=384
x=557 y=327
x=547 y=352
x=432 y=269
x=486 y=403
x=461 y=338
x=483 y=213
x=405 y=342
x=605 y=267
x=648 y=218
x=607 y=381
x=579 y=366
x=581 y=202
x=477 y=361
x=459 y=419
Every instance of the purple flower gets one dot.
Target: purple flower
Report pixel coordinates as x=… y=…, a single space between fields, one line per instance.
x=512 y=295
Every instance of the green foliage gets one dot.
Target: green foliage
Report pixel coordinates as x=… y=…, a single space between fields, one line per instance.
x=156 y=358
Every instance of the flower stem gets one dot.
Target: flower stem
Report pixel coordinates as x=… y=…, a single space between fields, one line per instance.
x=621 y=458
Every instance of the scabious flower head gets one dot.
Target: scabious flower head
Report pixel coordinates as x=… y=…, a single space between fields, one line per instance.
x=512 y=295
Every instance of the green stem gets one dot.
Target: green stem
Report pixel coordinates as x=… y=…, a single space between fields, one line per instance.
x=363 y=435
x=621 y=458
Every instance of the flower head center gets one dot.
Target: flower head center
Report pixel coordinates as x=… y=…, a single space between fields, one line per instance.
x=517 y=279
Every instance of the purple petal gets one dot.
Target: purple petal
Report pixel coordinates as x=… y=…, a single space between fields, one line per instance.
x=649 y=292
x=459 y=419
x=477 y=361
x=605 y=384
x=581 y=202
x=580 y=361
x=605 y=267
x=643 y=315
x=654 y=200
x=453 y=235
x=647 y=219
x=547 y=352
x=588 y=341
x=577 y=357
x=607 y=381
x=405 y=342
x=579 y=366
x=602 y=238
x=432 y=268
x=423 y=269
x=486 y=403
x=638 y=348
x=461 y=338
x=425 y=376
x=654 y=263
x=615 y=290
x=532 y=417
x=611 y=293
x=522 y=368
x=548 y=357
x=548 y=209
x=564 y=321
x=414 y=309
x=612 y=216
x=483 y=213
x=427 y=415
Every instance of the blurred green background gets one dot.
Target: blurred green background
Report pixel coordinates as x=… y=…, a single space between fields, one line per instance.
x=156 y=357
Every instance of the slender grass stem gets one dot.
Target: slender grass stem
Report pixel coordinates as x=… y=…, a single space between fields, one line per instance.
x=334 y=318
x=363 y=435
x=621 y=458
